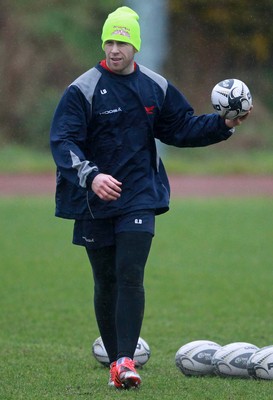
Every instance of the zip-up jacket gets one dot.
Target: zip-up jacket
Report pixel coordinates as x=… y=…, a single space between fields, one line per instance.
x=107 y=123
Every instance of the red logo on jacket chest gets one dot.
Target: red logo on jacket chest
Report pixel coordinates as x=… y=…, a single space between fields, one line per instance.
x=150 y=110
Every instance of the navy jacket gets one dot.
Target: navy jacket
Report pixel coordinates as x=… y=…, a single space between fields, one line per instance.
x=107 y=123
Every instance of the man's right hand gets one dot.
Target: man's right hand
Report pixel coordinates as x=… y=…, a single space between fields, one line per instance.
x=106 y=187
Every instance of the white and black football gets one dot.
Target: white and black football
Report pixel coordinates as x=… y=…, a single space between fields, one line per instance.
x=99 y=352
x=260 y=364
x=231 y=360
x=142 y=353
x=141 y=356
x=231 y=98
x=194 y=358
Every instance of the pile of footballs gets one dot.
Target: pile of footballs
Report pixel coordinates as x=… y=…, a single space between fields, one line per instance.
x=235 y=360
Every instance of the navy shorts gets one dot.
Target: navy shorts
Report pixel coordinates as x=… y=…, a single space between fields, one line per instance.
x=96 y=233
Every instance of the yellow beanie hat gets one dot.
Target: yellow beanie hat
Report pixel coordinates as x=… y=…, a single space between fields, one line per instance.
x=122 y=25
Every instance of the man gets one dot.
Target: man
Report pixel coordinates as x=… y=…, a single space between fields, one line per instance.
x=111 y=181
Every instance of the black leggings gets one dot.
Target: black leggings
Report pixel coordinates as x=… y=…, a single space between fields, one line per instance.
x=118 y=291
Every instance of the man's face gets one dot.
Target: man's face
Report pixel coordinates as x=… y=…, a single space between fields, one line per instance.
x=119 y=57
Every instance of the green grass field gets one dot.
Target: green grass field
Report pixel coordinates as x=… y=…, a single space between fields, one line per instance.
x=209 y=276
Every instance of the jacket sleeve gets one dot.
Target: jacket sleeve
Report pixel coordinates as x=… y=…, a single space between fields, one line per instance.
x=178 y=126
x=68 y=137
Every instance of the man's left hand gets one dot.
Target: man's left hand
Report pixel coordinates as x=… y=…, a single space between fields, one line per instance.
x=231 y=123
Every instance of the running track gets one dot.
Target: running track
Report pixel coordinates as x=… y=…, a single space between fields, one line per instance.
x=181 y=186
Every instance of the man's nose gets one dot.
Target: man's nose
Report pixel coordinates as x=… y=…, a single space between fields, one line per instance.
x=115 y=48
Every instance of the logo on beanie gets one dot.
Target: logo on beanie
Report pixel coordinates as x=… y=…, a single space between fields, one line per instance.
x=122 y=31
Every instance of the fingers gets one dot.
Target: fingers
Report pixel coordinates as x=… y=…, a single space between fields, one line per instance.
x=106 y=187
x=239 y=120
x=231 y=123
x=109 y=190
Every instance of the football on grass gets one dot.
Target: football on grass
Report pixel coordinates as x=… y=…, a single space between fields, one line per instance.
x=99 y=352
x=194 y=358
x=231 y=360
x=141 y=356
x=231 y=98
x=260 y=364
